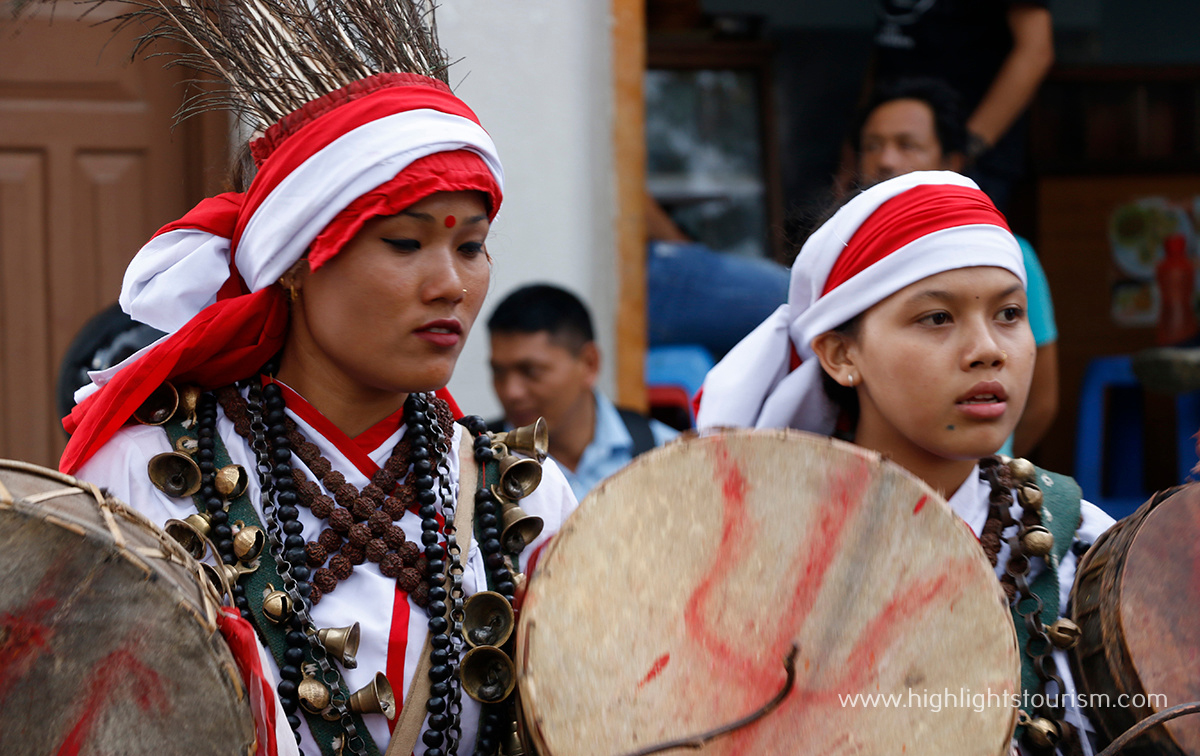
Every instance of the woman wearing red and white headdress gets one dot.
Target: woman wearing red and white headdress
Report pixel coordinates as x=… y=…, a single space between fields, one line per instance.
x=905 y=332
x=320 y=314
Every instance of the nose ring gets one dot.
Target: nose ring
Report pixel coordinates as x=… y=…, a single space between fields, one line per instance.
x=1003 y=356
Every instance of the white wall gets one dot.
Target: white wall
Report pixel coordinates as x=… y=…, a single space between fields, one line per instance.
x=538 y=74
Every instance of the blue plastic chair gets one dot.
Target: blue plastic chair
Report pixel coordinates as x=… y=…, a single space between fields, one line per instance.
x=1108 y=443
x=679 y=367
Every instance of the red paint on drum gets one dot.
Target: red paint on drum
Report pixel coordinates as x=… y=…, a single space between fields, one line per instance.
x=118 y=667
x=734 y=538
x=911 y=601
x=25 y=639
x=659 y=665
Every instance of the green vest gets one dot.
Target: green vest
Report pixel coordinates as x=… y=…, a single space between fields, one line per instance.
x=1061 y=515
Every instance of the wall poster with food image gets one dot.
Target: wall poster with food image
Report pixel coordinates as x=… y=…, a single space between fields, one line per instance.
x=1157 y=263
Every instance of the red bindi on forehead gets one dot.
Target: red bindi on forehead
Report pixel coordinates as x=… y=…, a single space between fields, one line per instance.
x=450 y=221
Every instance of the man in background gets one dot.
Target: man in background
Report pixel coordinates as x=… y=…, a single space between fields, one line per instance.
x=545 y=363
x=917 y=125
x=993 y=53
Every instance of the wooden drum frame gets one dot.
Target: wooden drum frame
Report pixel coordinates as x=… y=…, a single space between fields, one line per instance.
x=1136 y=600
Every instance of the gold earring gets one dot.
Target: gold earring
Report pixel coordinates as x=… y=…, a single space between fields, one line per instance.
x=291 y=288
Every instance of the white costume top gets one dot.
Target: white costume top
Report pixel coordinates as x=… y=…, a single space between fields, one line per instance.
x=367 y=596
x=971 y=501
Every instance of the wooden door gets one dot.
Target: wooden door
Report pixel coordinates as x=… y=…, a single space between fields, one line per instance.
x=89 y=167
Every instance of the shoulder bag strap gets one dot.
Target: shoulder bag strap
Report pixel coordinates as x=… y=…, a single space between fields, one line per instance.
x=638 y=426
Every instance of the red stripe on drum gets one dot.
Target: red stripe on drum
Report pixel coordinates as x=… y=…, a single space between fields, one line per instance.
x=659 y=665
x=119 y=667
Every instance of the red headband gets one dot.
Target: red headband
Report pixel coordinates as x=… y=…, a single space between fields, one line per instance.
x=908 y=216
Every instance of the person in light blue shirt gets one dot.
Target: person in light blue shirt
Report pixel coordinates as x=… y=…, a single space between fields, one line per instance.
x=545 y=363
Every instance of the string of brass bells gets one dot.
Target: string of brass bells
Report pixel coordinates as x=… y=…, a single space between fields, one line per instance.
x=177 y=474
x=1043 y=734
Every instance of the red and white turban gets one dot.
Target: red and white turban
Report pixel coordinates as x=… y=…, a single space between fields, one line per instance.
x=890 y=236
x=371 y=148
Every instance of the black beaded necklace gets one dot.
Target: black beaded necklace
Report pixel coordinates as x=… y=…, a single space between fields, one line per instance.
x=446 y=635
x=265 y=425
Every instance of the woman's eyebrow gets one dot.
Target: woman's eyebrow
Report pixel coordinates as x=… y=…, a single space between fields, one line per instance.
x=429 y=218
x=942 y=295
x=415 y=214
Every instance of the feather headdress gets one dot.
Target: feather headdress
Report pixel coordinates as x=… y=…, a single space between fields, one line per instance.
x=267 y=58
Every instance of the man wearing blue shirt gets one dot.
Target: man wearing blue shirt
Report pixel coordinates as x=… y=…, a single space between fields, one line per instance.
x=545 y=363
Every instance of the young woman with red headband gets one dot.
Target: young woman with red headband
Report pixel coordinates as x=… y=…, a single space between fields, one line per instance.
x=319 y=312
x=905 y=331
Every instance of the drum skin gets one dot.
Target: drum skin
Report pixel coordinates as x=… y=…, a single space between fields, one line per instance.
x=1136 y=599
x=666 y=606
x=108 y=639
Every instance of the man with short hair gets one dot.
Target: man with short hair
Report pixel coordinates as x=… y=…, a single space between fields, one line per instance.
x=916 y=125
x=545 y=362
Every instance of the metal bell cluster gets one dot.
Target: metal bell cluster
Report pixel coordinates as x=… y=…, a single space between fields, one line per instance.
x=177 y=474
x=376 y=697
x=314 y=695
x=487 y=671
x=519 y=477
x=1037 y=540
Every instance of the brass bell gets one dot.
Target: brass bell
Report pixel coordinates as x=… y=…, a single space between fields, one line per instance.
x=248 y=543
x=1042 y=734
x=517 y=529
x=488 y=619
x=341 y=642
x=512 y=745
x=223 y=576
x=488 y=674
x=519 y=477
x=313 y=694
x=189 y=399
x=376 y=698
x=231 y=481
x=1022 y=469
x=191 y=533
x=277 y=605
x=532 y=440
x=175 y=474
x=1030 y=495
x=1064 y=633
x=187 y=444
x=159 y=407
x=1037 y=541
